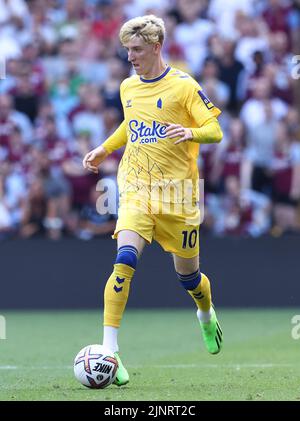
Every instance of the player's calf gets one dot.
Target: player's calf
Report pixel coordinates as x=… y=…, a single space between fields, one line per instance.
x=198 y=286
x=117 y=287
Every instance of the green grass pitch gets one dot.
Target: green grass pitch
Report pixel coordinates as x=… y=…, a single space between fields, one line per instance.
x=163 y=351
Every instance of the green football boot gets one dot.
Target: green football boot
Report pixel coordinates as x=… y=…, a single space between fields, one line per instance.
x=212 y=334
x=122 y=374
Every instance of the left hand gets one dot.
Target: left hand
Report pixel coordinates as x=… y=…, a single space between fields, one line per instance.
x=177 y=130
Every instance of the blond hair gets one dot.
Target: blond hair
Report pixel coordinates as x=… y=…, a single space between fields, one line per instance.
x=149 y=27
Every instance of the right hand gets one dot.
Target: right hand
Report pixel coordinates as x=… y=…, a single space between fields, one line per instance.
x=93 y=159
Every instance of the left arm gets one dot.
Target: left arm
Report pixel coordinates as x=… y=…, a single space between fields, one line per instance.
x=209 y=132
x=202 y=112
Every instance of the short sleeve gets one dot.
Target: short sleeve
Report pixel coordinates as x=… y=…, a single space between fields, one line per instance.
x=200 y=106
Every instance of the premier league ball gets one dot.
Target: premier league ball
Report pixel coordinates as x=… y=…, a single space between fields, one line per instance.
x=95 y=366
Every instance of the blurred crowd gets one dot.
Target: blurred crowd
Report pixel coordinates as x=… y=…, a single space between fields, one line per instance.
x=60 y=98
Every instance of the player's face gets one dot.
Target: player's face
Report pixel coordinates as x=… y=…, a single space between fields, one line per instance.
x=142 y=55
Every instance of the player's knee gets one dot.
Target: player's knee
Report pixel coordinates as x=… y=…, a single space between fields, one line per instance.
x=127 y=255
x=191 y=281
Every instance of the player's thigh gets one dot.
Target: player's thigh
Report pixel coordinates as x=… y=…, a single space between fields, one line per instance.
x=131 y=238
x=134 y=225
x=185 y=266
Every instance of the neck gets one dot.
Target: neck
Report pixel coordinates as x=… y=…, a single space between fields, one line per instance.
x=156 y=70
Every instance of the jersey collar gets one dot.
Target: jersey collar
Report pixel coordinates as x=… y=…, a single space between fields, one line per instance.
x=157 y=78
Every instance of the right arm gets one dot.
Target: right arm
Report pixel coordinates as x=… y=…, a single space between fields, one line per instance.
x=93 y=159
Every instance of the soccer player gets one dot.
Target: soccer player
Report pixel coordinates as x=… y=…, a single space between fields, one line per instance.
x=166 y=117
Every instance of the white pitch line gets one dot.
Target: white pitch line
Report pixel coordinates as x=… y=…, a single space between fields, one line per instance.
x=45 y=367
x=236 y=366
x=8 y=367
x=233 y=366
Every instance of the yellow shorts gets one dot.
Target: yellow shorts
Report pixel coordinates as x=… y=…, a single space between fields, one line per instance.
x=174 y=227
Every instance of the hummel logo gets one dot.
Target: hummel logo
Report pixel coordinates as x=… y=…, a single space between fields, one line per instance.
x=120 y=281
x=129 y=103
x=198 y=296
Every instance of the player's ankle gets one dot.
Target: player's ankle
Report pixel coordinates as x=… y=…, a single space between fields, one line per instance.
x=204 y=316
x=110 y=338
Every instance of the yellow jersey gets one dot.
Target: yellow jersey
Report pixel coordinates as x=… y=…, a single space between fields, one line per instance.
x=151 y=163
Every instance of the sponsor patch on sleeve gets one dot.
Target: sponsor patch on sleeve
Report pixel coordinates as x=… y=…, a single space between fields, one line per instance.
x=209 y=105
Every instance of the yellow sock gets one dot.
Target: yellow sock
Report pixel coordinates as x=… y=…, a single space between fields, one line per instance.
x=202 y=294
x=116 y=294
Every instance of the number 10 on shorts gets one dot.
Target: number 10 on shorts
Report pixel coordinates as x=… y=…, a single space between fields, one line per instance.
x=189 y=239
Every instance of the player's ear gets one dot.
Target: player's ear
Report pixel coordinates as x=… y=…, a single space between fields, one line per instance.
x=157 y=48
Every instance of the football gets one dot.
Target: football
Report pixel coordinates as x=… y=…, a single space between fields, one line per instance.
x=95 y=366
